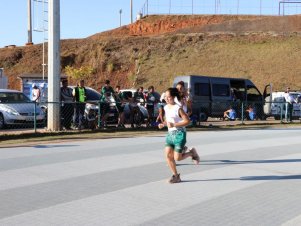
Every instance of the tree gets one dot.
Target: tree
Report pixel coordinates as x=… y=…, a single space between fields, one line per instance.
x=79 y=73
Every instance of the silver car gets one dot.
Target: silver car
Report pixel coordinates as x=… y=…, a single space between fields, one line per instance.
x=18 y=110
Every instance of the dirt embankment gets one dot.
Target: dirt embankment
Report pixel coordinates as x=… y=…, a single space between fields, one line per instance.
x=153 y=50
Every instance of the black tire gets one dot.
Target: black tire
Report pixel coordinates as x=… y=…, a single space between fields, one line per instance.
x=138 y=118
x=2 y=123
x=203 y=116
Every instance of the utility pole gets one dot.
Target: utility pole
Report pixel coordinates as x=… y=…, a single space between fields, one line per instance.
x=120 y=11
x=29 y=24
x=131 y=9
x=54 y=73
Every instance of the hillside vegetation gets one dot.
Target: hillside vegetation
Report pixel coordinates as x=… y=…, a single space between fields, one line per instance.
x=154 y=50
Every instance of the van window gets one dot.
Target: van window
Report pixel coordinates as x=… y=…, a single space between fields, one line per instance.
x=253 y=94
x=220 y=90
x=201 y=89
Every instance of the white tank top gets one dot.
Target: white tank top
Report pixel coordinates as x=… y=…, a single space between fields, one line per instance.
x=182 y=104
x=172 y=115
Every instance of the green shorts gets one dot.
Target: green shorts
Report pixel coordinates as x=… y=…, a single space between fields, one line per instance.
x=176 y=140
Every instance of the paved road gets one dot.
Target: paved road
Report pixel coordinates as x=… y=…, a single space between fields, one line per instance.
x=246 y=177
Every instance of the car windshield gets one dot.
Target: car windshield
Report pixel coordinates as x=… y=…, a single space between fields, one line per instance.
x=295 y=95
x=92 y=95
x=8 y=97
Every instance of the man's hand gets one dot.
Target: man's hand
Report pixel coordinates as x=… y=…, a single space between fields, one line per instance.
x=161 y=126
x=170 y=124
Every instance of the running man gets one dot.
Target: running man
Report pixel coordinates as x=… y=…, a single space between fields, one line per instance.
x=184 y=101
x=175 y=120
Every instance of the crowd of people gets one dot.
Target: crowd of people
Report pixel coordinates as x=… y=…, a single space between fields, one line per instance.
x=74 y=102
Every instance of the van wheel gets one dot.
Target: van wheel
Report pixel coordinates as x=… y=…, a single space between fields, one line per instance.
x=203 y=117
x=2 y=124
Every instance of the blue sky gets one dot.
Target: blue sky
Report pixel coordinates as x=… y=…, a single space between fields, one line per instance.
x=80 y=19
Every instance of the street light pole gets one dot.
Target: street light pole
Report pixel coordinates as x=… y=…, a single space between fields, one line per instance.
x=54 y=73
x=29 y=31
x=131 y=6
x=120 y=11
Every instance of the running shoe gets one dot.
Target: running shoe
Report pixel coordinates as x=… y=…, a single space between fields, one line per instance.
x=175 y=179
x=195 y=156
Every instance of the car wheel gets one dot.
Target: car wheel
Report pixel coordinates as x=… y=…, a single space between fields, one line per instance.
x=2 y=124
x=203 y=117
x=138 y=118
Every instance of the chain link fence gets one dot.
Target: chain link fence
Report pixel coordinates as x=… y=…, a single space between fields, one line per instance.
x=117 y=115
x=232 y=7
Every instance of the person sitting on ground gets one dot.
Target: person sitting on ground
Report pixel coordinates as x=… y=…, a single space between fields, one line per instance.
x=230 y=114
x=251 y=113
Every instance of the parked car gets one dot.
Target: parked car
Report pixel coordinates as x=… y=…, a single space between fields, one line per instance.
x=278 y=105
x=17 y=109
x=92 y=106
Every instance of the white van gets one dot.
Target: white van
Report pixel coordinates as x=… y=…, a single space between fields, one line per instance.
x=278 y=105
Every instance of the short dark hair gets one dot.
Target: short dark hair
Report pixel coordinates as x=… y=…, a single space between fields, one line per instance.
x=174 y=92
x=181 y=83
x=107 y=82
x=118 y=86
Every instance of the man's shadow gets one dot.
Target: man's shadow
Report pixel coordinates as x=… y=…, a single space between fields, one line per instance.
x=248 y=178
x=251 y=178
x=230 y=162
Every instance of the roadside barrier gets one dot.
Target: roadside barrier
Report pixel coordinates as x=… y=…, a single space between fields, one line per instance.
x=100 y=114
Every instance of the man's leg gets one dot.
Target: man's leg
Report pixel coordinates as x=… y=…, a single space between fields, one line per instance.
x=291 y=112
x=169 y=154
x=75 y=115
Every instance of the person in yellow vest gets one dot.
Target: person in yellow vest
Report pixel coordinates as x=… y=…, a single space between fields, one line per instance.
x=79 y=97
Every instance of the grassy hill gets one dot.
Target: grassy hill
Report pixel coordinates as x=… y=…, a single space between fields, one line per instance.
x=154 y=50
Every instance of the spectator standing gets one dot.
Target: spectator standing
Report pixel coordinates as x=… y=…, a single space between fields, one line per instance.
x=107 y=89
x=139 y=95
x=151 y=99
x=36 y=93
x=289 y=105
x=106 y=92
x=162 y=104
x=120 y=103
x=185 y=102
x=79 y=97
x=66 y=104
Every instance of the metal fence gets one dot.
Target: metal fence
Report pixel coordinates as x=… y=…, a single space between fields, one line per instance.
x=100 y=115
x=232 y=7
